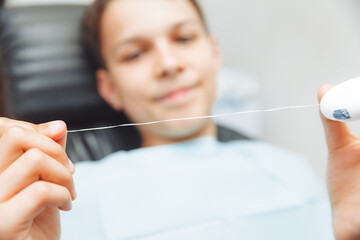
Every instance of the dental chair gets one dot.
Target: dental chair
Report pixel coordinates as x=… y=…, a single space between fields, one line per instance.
x=45 y=75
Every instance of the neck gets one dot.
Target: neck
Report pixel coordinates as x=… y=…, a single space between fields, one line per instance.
x=208 y=130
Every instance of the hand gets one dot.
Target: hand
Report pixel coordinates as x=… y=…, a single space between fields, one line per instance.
x=35 y=179
x=343 y=177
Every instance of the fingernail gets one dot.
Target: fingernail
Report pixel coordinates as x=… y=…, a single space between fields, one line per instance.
x=68 y=206
x=75 y=194
x=71 y=166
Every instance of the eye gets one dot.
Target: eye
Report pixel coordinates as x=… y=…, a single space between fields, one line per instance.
x=185 y=39
x=134 y=56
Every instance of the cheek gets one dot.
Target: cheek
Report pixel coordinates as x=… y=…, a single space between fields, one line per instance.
x=208 y=67
x=133 y=79
x=203 y=58
x=132 y=86
x=206 y=64
x=133 y=102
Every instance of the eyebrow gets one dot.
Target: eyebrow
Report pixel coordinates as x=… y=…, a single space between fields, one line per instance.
x=139 y=38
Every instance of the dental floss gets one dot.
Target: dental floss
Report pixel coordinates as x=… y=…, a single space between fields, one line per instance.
x=341 y=103
x=193 y=118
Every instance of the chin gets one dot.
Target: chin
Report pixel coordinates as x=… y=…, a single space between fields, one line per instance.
x=187 y=129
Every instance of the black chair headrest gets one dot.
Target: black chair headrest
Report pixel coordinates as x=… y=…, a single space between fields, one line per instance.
x=46 y=76
x=46 y=70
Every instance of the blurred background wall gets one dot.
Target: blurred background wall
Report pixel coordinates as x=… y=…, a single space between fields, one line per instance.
x=292 y=47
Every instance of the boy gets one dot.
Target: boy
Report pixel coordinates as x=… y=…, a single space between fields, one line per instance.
x=157 y=61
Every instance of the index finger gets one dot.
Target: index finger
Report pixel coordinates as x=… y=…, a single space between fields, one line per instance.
x=337 y=133
x=56 y=130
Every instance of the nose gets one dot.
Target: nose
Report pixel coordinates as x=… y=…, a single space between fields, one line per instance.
x=168 y=63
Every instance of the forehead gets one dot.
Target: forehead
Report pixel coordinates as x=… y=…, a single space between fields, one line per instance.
x=131 y=17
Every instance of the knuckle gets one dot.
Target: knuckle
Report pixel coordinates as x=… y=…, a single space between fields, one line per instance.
x=34 y=157
x=14 y=132
x=36 y=154
x=44 y=193
x=41 y=190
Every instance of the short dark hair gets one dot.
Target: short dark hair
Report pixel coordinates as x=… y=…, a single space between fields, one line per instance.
x=91 y=30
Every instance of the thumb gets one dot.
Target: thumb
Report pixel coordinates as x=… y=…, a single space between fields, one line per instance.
x=337 y=133
x=56 y=130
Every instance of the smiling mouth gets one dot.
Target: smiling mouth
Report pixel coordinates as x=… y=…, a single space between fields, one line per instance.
x=178 y=97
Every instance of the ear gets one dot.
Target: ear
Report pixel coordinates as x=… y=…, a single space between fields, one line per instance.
x=108 y=90
x=216 y=52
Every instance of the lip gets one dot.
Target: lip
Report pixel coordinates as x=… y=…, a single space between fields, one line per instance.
x=178 y=97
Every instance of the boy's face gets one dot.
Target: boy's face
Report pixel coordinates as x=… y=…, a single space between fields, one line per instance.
x=161 y=64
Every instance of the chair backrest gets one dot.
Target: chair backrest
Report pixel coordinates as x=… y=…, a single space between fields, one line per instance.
x=45 y=75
